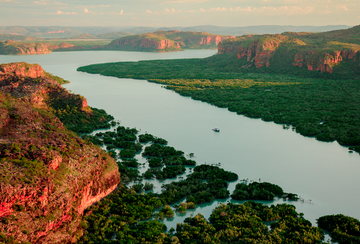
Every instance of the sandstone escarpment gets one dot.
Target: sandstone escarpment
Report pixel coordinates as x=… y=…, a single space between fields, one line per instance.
x=145 y=43
x=48 y=175
x=324 y=61
x=256 y=49
x=23 y=48
x=313 y=51
x=207 y=40
x=30 y=83
x=167 y=41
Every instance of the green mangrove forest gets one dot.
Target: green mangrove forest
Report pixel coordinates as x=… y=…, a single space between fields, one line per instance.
x=134 y=214
x=315 y=104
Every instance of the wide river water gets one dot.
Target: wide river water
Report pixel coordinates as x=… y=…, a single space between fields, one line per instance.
x=325 y=175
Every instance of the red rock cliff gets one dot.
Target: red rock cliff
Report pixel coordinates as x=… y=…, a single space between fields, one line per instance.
x=259 y=51
x=48 y=174
x=323 y=61
x=172 y=40
x=207 y=40
x=29 y=83
x=145 y=43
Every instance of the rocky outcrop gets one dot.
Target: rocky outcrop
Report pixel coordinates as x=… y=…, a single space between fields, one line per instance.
x=167 y=41
x=208 y=40
x=20 y=70
x=48 y=175
x=259 y=50
x=30 y=83
x=145 y=43
x=22 y=48
x=324 y=61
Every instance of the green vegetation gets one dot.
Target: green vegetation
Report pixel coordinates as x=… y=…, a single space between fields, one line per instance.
x=26 y=158
x=323 y=108
x=33 y=45
x=128 y=174
x=183 y=206
x=257 y=191
x=165 y=212
x=157 y=150
x=58 y=79
x=168 y=172
x=79 y=45
x=116 y=218
x=145 y=138
x=5 y=37
x=343 y=229
x=114 y=35
x=158 y=155
x=148 y=186
x=79 y=120
x=205 y=184
x=244 y=223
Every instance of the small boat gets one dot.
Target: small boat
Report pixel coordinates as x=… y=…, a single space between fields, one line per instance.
x=216 y=129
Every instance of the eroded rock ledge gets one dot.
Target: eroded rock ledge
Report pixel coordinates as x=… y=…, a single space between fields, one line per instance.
x=48 y=175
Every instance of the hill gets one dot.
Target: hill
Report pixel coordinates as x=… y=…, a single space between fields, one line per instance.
x=10 y=47
x=114 y=35
x=65 y=32
x=292 y=53
x=84 y=36
x=259 y=29
x=49 y=176
x=168 y=41
x=5 y=37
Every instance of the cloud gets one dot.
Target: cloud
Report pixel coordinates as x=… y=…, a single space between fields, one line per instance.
x=121 y=13
x=218 y=9
x=202 y=10
x=5 y=0
x=39 y=2
x=148 y=11
x=86 y=10
x=343 y=7
x=118 y=13
x=59 y=12
x=172 y=11
x=270 y=10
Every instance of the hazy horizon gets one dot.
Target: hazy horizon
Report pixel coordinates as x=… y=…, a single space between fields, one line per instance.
x=174 y=13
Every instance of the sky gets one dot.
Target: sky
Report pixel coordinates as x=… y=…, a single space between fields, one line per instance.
x=167 y=13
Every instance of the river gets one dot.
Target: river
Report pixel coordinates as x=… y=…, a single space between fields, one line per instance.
x=325 y=175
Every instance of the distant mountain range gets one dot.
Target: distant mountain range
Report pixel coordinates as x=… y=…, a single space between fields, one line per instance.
x=117 y=32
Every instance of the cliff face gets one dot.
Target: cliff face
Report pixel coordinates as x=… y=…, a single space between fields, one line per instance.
x=324 y=62
x=48 y=174
x=319 y=52
x=21 y=48
x=145 y=43
x=207 y=40
x=168 y=40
